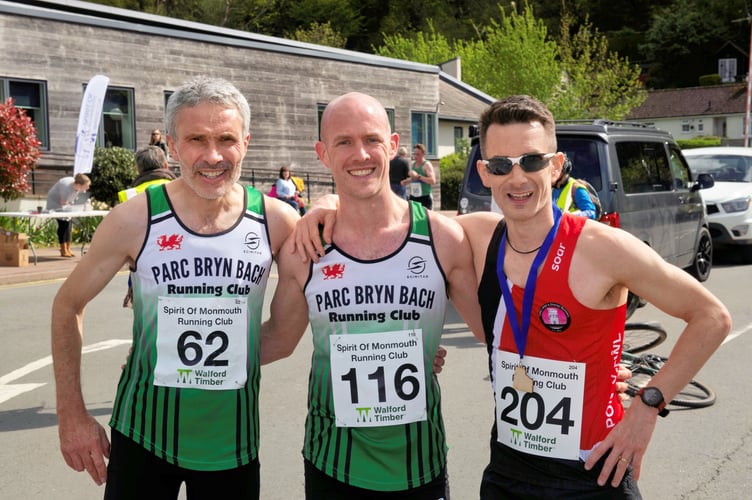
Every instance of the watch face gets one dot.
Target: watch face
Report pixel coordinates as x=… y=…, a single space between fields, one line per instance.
x=652 y=396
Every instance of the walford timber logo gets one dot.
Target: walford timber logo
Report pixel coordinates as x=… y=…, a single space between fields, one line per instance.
x=380 y=414
x=530 y=441
x=187 y=376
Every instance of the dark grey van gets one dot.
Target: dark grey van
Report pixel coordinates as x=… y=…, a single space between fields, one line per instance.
x=643 y=182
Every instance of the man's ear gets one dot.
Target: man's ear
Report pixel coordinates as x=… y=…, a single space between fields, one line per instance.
x=394 y=145
x=171 y=148
x=321 y=153
x=557 y=165
x=483 y=173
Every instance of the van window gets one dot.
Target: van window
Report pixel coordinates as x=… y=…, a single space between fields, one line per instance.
x=679 y=170
x=644 y=167
x=585 y=158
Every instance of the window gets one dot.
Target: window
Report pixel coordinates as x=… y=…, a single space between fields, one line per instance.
x=457 y=139
x=424 y=131
x=31 y=96
x=644 y=167
x=685 y=127
x=679 y=169
x=117 y=127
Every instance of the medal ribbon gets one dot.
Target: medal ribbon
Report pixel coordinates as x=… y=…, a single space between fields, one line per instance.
x=520 y=331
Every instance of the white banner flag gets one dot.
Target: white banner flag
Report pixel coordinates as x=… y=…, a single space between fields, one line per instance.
x=88 y=123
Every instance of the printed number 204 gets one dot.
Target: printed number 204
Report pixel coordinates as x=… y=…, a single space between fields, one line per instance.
x=532 y=408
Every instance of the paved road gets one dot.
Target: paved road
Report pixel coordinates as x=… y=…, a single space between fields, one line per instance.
x=695 y=454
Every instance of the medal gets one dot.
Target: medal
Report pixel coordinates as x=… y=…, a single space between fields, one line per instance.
x=521 y=381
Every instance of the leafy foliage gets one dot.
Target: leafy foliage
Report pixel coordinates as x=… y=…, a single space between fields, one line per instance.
x=113 y=170
x=19 y=150
x=699 y=142
x=321 y=34
x=452 y=168
x=596 y=83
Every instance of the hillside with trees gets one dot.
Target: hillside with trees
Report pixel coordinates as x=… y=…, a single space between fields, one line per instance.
x=578 y=54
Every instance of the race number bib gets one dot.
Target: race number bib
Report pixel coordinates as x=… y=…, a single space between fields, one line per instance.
x=548 y=420
x=378 y=379
x=202 y=343
x=416 y=189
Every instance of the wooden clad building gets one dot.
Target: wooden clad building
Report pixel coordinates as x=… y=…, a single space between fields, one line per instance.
x=50 y=49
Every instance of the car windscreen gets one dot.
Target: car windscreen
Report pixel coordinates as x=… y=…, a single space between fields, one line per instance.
x=724 y=168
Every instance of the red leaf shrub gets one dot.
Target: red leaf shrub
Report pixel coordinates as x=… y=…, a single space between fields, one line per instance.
x=19 y=150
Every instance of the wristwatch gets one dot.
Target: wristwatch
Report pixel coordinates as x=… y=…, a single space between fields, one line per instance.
x=653 y=397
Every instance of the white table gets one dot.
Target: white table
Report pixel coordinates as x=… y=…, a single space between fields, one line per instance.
x=46 y=216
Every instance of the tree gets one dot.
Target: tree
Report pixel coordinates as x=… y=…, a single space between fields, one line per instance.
x=429 y=48
x=595 y=83
x=113 y=170
x=321 y=34
x=513 y=56
x=19 y=150
x=683 y=38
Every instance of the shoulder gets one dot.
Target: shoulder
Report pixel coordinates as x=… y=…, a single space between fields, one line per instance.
x=281 y=219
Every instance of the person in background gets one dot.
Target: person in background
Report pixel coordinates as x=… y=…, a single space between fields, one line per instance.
x=63 y=194
x=399 y=172
x=156 y=140
x=153 y=169
x=286 y=190
x=422 y=177
x=186 y=408
x=571 y=195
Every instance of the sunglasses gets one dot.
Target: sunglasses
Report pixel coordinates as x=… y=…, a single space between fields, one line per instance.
x=531 y=162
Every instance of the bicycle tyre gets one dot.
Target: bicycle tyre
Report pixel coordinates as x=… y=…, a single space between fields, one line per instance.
x=639 y=337
x=694 y=395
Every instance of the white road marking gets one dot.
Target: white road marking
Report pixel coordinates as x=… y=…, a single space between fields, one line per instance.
x=732 y=335
x=8 y=390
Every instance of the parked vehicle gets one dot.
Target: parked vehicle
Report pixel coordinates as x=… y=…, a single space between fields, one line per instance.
x=643 y=181
x=729 y=202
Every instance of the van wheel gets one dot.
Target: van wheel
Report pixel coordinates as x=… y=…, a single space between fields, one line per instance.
x=703 y=260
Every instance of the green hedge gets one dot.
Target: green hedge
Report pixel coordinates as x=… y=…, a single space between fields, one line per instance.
x=113 y=170
x=699 y=142
x=452 y=169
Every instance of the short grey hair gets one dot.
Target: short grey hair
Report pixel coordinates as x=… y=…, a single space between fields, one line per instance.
x=150 y=158
x=202 y=89
x=402 y=151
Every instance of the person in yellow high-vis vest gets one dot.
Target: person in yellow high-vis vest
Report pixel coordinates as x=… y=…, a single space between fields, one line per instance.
x=153 y=169
x=572 y=195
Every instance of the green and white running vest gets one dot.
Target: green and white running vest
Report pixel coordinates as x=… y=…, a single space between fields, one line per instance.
x=189 y=390
x=374 y=414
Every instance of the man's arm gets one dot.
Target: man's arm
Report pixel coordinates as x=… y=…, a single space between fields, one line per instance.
x=83 y=441
x=456 y=258
x=281 y=333
x=674 y=292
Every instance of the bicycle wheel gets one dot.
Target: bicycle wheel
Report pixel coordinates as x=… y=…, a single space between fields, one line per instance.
x=639 y=337
x=694 y=395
